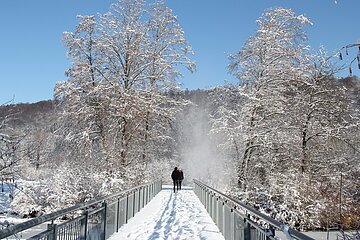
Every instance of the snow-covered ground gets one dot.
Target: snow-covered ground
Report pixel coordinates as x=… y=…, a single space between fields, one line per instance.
x=6 y=189
x=324 y=235
x=172 y=216
x=4 y=202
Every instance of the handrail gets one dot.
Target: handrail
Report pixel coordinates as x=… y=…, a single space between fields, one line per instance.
x=14 y=229
x=274 y=223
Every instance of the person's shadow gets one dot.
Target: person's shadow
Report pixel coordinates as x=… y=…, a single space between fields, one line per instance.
x=168 y=216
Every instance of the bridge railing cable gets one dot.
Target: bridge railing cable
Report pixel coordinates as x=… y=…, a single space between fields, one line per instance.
x=96 y=219
x=236 y=220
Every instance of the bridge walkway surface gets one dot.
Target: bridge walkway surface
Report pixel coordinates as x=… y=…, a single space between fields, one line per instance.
x=170 y=215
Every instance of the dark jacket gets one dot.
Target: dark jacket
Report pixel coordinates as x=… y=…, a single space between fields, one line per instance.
x=175 y=175
x=181 y=175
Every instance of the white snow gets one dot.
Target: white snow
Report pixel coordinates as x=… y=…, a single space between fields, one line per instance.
x=173 y=216
x=4 y=201
x=6 y=190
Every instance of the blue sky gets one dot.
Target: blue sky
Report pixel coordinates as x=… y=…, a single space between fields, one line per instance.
x=33 y=58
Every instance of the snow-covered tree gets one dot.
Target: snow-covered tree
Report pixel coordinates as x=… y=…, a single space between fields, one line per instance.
x=321 y=116
x=11 y=153
x=289 y=119
x=322 y=111
x=116 y=114
x=266 y=65
x=227 y=126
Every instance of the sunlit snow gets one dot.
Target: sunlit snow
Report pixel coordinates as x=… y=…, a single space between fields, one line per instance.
x=173 y=216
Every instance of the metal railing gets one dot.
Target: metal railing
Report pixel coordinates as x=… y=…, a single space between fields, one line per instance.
x=96 y=219
x=236 y=220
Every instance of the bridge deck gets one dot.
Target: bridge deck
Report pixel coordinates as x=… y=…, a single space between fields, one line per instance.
x=171 y=215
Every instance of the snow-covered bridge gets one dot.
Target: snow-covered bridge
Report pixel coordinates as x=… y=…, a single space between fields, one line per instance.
x=171 y=215
x=154 y=211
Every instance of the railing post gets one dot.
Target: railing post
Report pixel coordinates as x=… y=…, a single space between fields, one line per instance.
x=139 y=199
x=212 y=205
x=152 y=191
x=216 y=211
x=222 y=219
x=143 y=196
x=239 y=223
x=117 y=214
x=150 y=195
x=232 y=224
x=134 y=204
x=147 y=194
x=208 y=201
x=141 y=193
x=270 y=233
x=53 y=228
x=213 y=209
x=103 y=235
x=227 y=228
x=204 y=197
x=83 y=226
x=50 y=227
x=247 y=228
x=127 y=208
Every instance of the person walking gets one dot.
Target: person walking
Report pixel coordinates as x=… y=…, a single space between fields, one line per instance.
x=175 y=175
x=181 y=177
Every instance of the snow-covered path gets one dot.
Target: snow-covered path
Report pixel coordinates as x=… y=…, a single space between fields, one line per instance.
x=172 y=216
